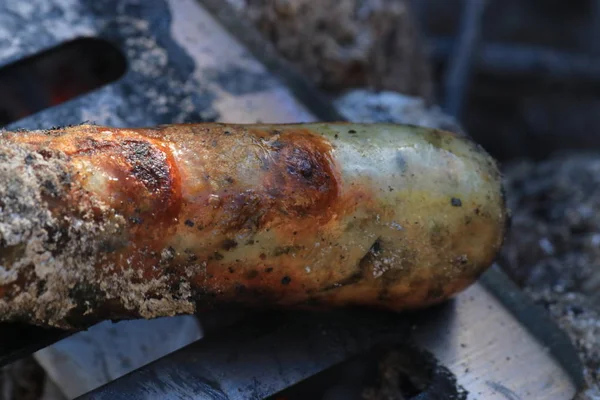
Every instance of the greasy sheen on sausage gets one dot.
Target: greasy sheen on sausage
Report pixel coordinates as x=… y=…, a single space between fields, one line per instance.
x=103 y=223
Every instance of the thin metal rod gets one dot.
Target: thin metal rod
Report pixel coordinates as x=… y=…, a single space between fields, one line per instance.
x=510 y=59
x=458 y=74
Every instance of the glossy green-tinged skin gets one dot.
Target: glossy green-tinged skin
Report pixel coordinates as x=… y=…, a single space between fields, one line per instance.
x=169 y=220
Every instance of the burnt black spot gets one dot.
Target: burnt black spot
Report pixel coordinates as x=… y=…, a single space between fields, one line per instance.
x=218 y=256
x=250 y=242
x=391 y=189
x=336 y=136
x=286 y=280
x=306 y=174
x=46 y=154
x=367 y=260
x=461 y=260
x=352 y=132
x=174 y=289
x=29 y=158
x=251 y=274
x=41 y=286
x=268 y=270
x=148 y=165
x=65 y=179
x=456 y=202
x=301 y=164
x=189 y=222
x=227 y=133
x=228 y=244
x=192 y=258
x=280 y=250
x=57 y=238
x=229 y=179
x=87 y=297
x=376 y=247
x=231 y=270
x=401 y=162
x=49 y=188
x=200 y=227
x=477 y=211
x=136 y=220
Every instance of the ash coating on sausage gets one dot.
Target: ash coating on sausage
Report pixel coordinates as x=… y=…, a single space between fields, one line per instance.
x=28 y=181
x=52 y=235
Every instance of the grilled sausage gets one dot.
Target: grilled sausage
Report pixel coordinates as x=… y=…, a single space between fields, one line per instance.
x=112 y=223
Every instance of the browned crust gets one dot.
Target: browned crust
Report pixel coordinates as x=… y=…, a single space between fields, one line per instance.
x=168 y=220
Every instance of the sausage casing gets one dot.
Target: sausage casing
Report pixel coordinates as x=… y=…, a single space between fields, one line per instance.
x=102 y=223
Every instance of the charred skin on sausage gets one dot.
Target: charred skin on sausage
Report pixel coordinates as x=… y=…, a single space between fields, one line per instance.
x=103 y=223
